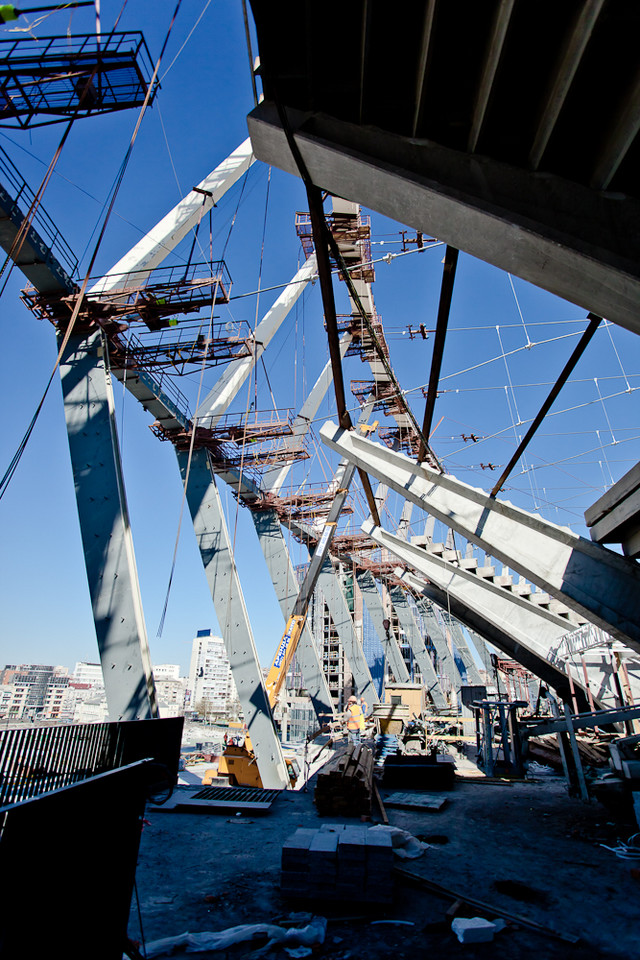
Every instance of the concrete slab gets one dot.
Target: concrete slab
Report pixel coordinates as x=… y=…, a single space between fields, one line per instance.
x=203 y=873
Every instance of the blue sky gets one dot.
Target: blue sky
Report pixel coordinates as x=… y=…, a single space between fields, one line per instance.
x=507 y=343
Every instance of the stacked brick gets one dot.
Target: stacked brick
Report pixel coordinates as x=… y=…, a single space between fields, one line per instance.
x=344 y=786
x=338 y=862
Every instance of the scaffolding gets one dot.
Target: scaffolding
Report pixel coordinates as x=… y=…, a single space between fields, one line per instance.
x=352 y=232
x=517 y=680
x=403 y=440
x=155 y=298
x=191 y=343
x=252 y=441
x=16 y=196
x=304 y=506
x=78 y=76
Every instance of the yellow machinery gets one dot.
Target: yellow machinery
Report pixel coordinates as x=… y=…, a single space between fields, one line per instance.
x=284 y=656
x=238 y=763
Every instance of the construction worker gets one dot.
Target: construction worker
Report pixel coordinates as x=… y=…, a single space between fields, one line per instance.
x=355 y=720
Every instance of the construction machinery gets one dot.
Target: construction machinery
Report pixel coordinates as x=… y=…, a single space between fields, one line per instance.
x=238 y=762
x=284 y=656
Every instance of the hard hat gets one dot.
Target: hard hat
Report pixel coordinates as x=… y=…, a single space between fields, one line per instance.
x=352 y=700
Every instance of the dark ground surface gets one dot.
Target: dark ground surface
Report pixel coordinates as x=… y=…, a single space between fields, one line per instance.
x=208 y=872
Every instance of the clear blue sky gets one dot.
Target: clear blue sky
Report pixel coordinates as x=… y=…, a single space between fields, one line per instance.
x=505 y=347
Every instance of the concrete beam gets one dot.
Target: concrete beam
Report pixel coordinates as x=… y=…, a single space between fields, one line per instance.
x=550 y=674
x=508 y=621
x=577 y=243
x=600 y=585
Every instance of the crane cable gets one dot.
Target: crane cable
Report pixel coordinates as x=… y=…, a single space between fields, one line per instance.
x=9 y=473
x=193 y=430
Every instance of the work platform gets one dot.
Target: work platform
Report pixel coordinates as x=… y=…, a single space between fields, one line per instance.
x=62 y=77
x=156 y=298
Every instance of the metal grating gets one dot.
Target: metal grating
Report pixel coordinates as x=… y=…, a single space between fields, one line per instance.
x=58 y=77
x=39 y=760
x=237 y=794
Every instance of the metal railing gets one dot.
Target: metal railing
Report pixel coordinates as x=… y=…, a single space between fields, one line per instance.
x=37 y=760
x=22 y=196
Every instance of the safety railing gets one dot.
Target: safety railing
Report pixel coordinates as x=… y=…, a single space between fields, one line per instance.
x=22 y=196
x=37 y=760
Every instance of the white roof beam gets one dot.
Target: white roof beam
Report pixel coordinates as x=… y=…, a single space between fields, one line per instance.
x=149 y=252
x=492 y=59
x=565 y=71
x=219 y=398
x=597 y=583
x=274 y=480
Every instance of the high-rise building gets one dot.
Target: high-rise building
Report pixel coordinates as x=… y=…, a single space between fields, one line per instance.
x=211 y=687
x=90 y=673
x=32 y=688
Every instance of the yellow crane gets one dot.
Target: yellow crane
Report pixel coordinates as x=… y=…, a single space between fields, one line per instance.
x=284 y=656
x=242 y=757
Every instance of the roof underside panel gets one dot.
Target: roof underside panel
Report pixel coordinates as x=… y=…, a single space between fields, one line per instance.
x=417 y=71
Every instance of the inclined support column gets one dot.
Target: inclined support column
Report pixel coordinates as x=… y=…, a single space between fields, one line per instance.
x=106 y=530
x=420 y=652
x=217 y=557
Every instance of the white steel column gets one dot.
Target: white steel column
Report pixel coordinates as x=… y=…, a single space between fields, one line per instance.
x=441 y=643
x=273 y=480
x=333 y=594
x=149 y=252
x=106 y=531
x=420 y=652
x=218 y=399
x=459 y=639
x=283 y=575
x=388 y=640
x=597 y=583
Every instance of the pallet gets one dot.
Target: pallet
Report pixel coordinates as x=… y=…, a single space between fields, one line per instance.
x=344 y=786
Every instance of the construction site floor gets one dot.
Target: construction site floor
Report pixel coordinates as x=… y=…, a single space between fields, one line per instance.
x=524 y=848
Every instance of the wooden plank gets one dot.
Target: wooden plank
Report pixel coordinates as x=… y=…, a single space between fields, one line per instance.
x=480 y=905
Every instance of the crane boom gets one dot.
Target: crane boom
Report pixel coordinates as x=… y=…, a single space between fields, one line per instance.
x=284 y=656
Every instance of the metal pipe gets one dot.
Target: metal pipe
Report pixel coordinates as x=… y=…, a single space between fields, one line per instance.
x=594 y=322
x=444 y=307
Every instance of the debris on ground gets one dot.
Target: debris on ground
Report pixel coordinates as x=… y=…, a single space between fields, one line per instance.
x=405 y=845
x=476 y=929
x=306 y=936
